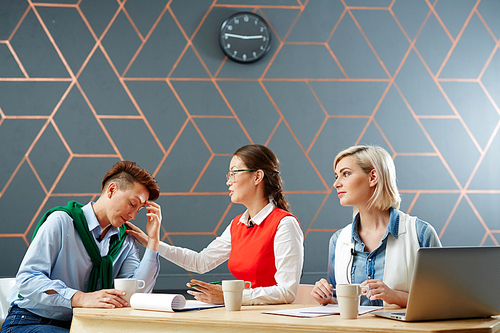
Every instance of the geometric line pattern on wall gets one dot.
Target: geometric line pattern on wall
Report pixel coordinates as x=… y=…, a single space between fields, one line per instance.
x=152 y=85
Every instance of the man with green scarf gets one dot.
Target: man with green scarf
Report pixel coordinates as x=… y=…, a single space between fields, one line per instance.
x=77 y=251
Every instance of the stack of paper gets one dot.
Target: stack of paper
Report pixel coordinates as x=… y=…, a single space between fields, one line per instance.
x=166 y=302
x=318 y=311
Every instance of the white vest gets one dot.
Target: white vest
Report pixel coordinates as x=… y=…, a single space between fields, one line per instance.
x=400 y=254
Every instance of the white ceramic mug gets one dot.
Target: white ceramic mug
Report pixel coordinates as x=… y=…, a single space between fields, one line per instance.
x=129 y=286
x=233 y=293
x=348 y=298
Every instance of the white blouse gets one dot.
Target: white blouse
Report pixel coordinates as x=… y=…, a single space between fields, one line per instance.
x=288 y=256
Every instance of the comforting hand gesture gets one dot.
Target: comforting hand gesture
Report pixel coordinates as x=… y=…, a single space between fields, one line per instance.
x=208 y=293
x=139 y=235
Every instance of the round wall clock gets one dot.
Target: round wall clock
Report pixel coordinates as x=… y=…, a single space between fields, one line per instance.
x=245 y=37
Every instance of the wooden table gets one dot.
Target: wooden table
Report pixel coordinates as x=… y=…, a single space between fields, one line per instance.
x=251 y=319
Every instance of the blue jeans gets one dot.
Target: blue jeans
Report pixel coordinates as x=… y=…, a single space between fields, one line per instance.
x=22 y=321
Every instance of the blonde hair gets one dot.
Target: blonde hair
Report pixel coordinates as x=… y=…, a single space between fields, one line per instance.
x=386 y=194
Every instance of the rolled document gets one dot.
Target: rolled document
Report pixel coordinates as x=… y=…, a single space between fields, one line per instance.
x=157 y=302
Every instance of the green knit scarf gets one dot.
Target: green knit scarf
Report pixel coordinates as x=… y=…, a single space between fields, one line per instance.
x=102 y=266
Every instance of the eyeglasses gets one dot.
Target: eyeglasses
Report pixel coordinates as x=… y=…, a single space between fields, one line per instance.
x=230 y=174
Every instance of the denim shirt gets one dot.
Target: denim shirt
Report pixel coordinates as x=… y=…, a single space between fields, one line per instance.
x=371 y=265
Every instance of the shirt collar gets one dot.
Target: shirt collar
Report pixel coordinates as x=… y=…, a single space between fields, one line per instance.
x=261 y=216
x=392 y=228
x=93 y=223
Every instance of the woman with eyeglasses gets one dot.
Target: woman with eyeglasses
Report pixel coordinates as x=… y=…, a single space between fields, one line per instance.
x=378 y=248
x=264 y=245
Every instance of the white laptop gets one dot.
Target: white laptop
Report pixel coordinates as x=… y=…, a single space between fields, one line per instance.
x=451 y=283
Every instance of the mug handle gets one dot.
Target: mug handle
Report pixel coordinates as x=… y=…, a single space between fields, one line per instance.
x=249 y=285
x=141 y=284
x=364 y=290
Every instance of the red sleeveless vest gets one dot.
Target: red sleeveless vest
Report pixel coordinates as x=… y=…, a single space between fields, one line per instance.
x=252 y=250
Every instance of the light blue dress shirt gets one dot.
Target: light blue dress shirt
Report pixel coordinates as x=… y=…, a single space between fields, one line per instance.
x=371 y=265
x=57 y=260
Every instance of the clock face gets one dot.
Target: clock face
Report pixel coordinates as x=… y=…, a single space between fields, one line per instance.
x=245 y=37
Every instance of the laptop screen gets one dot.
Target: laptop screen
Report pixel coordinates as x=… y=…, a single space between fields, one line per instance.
x=455 y=282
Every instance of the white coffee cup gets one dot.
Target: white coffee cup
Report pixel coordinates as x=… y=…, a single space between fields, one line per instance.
x=233 y=293
x=348 y=296
x=129 y=286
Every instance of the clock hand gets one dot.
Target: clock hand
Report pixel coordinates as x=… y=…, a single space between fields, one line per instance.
x=254 y=37
x=243 y=37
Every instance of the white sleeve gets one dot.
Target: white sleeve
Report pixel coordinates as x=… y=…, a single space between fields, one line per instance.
x=289 y=258
x=210 y=257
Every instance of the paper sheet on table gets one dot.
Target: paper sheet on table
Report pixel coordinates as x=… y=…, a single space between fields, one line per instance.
x=318 y=311
x=167 y=302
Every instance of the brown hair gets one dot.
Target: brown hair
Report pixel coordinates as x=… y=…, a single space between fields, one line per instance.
x=125 y=173
x=258 y=157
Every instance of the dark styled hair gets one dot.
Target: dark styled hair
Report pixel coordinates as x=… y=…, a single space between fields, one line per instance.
x=259 y=157
x=126 y=173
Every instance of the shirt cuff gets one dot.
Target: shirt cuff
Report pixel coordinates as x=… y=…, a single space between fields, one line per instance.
x=67 y=295
x=151 y=256
x=247 y=297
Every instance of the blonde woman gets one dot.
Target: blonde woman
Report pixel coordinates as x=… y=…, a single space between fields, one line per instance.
x=378 y=248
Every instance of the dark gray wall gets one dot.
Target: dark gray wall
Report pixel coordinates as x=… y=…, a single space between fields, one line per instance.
x=86 y=83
